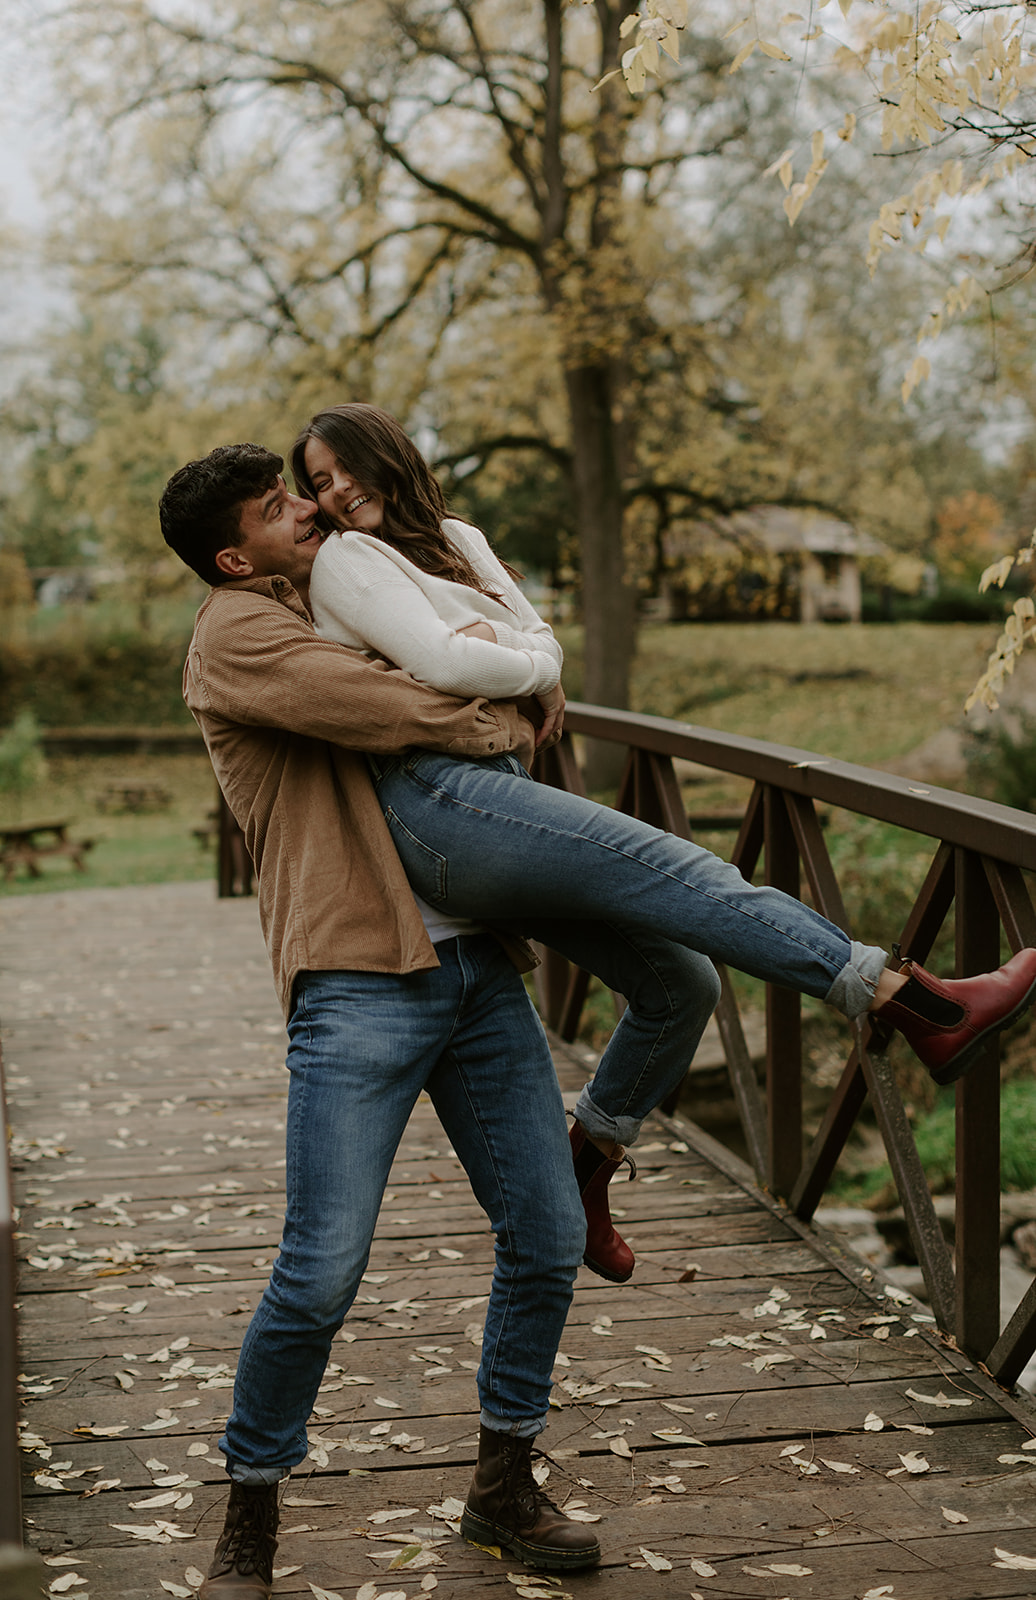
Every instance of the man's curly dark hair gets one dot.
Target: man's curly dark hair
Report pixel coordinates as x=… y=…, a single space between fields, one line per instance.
x=200 y=508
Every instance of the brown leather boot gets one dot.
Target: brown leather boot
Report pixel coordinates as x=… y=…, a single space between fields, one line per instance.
x=946 y=1021
x=506 y=1506
x=242 y=1567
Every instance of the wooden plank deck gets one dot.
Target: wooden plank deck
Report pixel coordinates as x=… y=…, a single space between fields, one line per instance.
x=712 y=1413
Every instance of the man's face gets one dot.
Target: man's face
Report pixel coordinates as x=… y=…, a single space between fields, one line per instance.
x=278 y=538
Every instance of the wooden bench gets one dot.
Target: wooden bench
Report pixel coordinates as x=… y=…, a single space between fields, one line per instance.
x=134 y=795
x=25 y=845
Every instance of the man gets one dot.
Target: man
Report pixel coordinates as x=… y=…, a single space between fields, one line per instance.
x=379 y=1004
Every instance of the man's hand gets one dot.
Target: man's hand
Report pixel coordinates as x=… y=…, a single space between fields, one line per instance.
x=553 y=703
x=479 y=630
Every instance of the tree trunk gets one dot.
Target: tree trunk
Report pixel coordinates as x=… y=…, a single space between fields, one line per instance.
x=609 y=601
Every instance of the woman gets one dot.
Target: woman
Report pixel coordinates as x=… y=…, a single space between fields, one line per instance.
x=641 y=908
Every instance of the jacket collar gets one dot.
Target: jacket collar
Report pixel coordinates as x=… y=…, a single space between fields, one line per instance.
x=276 y=588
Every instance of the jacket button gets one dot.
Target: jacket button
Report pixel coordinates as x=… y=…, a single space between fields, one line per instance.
x=492 y=746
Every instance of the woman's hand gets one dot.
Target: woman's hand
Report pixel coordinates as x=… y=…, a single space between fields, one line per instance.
x=479 y=630
x=553 y=703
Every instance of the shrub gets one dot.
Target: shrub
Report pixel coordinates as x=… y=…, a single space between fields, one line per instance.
x=22 y=762
x=72 y=678
x=936 y=1146
x=1002 y=760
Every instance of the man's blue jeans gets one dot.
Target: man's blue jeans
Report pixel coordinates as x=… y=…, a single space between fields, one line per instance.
x=639 y=907
x=362 y=1047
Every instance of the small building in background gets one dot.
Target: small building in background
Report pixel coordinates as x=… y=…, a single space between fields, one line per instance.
x=774 y=562
x=64 y=586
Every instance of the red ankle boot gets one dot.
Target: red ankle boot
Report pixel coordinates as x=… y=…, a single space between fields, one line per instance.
x=607 y=1252
x=946 y=1021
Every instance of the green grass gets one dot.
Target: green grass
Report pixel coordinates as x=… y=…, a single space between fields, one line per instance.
x=936 y=1145
x=864 y=693
x=151 y=847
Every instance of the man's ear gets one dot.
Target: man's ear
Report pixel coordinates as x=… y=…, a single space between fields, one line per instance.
x=234 y=563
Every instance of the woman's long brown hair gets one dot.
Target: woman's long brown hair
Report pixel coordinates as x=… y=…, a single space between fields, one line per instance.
x=373 y=448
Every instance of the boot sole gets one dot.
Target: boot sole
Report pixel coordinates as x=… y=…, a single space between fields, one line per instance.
x=958 y=1065
x=477 y=1531
x=612 y=1277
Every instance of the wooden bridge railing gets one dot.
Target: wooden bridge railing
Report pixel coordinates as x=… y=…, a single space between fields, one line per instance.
x=981 y=853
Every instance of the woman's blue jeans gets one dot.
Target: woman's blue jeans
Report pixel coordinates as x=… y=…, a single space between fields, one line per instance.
x=362 y=1047
x=641 y=908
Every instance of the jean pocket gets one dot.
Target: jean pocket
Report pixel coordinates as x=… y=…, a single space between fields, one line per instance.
x=425 y=868
x=380 y=766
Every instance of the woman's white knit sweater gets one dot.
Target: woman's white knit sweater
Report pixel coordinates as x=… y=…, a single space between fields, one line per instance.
x=366 y=594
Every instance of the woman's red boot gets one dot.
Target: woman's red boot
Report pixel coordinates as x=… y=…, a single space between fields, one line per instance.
x=946 y=1021
x=607 y=1252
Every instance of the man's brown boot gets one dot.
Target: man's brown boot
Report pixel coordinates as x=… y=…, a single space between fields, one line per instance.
x=242 y=1567
x=506 y=1506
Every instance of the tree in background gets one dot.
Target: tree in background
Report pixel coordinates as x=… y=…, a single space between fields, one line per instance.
x=970 y=534
x=323 y=170
x=950 y=88
x=103 y=437
x=441 y=207
x=584 y=305
x=953 y=84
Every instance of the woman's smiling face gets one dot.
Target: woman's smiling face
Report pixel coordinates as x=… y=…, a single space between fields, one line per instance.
x=341 y=497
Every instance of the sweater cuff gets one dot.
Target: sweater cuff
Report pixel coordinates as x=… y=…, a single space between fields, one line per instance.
x=548 y=673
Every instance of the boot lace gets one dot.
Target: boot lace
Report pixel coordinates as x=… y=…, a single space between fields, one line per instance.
x=520 y=1488
x=247 y=1545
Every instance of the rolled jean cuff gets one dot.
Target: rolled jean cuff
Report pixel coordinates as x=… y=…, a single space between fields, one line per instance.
x=852 y=992
x=257 y=1477
x=597 y=1124
x=527 y=1428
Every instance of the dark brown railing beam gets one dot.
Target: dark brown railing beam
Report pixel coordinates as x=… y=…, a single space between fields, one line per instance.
x=820 y=874
x=931 y=907
x=748 y=846
x=926 y=1235
x=830 y=1139
x=1013 y=903
x=783 y=1017
x=748 y=1096
x=978 y=1128
x=1009 y=1356
x=980 y=825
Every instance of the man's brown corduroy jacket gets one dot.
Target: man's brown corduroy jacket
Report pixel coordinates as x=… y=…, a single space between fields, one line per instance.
x=285 y=716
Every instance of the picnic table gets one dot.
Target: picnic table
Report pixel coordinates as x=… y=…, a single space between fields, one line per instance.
x=25 y=844
x=135 y=794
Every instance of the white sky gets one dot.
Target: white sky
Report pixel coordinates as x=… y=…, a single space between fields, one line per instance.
x=25 y=299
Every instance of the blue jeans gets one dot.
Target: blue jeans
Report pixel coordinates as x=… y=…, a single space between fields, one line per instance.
x=639 y=907
x=362 y=1047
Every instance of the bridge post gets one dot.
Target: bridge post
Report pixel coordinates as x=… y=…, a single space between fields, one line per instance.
x=783 y=1016
x=978 y=1127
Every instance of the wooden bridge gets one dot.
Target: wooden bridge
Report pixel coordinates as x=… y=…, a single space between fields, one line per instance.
x=754 y=1415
